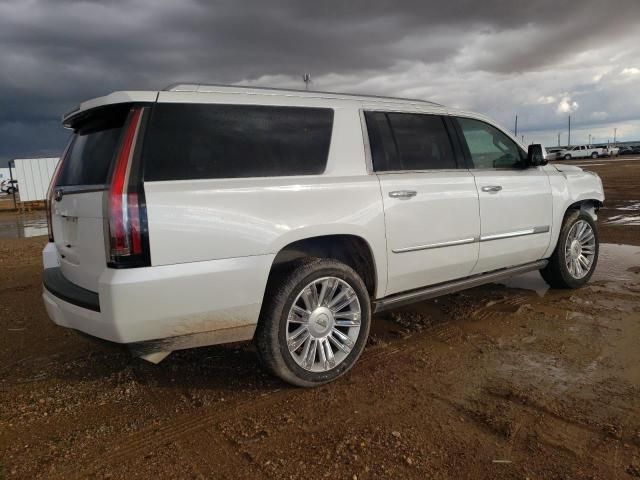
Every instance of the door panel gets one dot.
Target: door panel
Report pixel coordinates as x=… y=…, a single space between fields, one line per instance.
x=516 y=219
x=432 y=235
x=515 y=202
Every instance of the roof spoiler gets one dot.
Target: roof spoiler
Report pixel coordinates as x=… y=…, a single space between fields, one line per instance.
x=71 y=117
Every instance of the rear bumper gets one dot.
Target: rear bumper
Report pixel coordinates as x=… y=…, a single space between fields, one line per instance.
x=56 y=284
x=167 y=307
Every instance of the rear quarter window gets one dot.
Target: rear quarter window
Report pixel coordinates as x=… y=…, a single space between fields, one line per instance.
x=205 y=141
x=93 y=147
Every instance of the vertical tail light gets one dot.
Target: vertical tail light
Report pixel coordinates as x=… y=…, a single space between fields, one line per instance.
x=126 y=212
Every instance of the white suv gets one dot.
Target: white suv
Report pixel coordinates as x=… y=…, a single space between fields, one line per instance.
x=202 y=214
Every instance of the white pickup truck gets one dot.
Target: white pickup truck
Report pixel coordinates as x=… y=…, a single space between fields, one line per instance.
x=583 y=151
x=203 y=214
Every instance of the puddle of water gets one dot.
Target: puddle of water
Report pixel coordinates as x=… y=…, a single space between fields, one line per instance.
x=527 y=281
x=616 y=263
x=624 y=220
x=22 y=227
x=633 y=205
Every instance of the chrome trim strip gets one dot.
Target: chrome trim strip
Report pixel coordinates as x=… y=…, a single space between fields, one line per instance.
x=486 y=238
x=69 y=189
x=400 y=299
x=462 y=241
x=517 y=233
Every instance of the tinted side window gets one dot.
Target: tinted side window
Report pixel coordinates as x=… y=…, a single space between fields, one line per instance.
x=488 y=146
x=190 y=141
x=422 y=140
x=383 y=146
x=408 y=141
x=93 y=147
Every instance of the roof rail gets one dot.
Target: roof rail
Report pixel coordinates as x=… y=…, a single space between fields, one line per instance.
x=193 y=87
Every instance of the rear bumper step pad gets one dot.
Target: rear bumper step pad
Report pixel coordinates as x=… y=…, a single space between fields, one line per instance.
x=55 y=282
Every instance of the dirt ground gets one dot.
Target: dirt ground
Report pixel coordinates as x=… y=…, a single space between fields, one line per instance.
x=503 y=381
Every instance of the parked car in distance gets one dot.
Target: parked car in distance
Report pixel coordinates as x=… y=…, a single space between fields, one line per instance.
x=8 y=186
x=552 y=152
x=580 y=151
x=629 y=150
x=608 y=150
x=625 y=150
x=201 y=215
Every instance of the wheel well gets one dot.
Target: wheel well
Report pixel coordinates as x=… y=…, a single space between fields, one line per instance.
x=348 y=249
x=590 y=206
x=590 y=203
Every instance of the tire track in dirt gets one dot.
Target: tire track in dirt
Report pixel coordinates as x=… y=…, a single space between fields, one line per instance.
x=177 y=428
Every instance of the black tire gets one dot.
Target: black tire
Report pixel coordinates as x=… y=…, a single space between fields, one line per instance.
x=594 y=155
x=567 y=157
x=271 y=333
x=556 y=273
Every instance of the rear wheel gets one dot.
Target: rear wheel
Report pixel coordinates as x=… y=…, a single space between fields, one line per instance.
x=576 y=255
x=594 y=155
x=567 y=157
x=314 y=322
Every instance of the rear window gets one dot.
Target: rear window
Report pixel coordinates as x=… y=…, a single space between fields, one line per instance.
x=408 y=141
x=93 y=147
x=195 y=141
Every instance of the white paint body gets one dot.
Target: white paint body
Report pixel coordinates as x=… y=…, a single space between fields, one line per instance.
x=213 y=242
x=34 y=176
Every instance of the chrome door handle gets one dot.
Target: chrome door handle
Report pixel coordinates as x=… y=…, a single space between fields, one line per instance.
x=403 y=194
x=492 y=188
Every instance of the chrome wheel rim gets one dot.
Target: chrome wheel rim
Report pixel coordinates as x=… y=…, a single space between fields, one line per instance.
x=580 y=249
x=323 y=324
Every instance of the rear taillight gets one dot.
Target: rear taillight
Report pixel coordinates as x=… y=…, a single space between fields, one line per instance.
x=52 y=189
x=126 y=211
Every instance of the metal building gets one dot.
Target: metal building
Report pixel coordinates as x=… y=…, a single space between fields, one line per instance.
x=34 y=176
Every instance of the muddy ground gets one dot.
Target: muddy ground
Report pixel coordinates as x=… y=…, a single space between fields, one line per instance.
x=503 y=381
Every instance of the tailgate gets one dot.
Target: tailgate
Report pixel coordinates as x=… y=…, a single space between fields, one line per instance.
x=77 y=218
x=78 y=233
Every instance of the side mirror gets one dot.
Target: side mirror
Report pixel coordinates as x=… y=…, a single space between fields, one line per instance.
x=536 y=155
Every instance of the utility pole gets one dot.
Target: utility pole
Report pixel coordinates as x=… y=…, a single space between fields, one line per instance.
x=569 y=137
x=306 y=78
x=589 y=139
x=516 y=132
x=12 y=164
x=522 y=138
x=615 y=132
x=558 y=138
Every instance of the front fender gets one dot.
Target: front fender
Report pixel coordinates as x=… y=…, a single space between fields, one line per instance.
x=572 y=187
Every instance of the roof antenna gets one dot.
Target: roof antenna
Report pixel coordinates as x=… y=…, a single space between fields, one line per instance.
x=306 y=78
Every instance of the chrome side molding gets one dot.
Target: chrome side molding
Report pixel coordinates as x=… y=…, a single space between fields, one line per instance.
x=462 y=241
x=413 y=296
x=485 y=238
x=517 y=233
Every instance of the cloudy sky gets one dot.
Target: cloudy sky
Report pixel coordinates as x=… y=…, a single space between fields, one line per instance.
x=540 y=59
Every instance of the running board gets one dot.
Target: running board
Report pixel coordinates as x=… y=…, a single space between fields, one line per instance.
x=405 y=298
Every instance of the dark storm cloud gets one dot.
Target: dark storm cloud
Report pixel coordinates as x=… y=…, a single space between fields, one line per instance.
x=57 y=53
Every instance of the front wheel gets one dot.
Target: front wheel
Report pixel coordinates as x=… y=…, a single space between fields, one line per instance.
x=314 y=322
x=594 y=155
x=576 y=255
x=567 y=157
